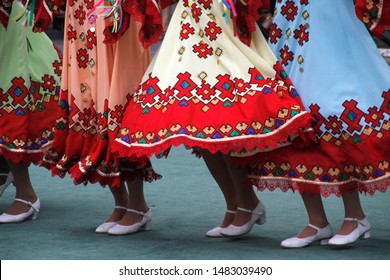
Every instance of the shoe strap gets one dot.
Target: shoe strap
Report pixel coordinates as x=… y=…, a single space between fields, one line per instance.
x=137 y=212
x=120 y=207
x=28 y=203
x=231 y=211
x=354 y=220
x=314 y=227
x=249 y=211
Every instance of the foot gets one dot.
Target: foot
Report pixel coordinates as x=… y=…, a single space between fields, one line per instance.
x=256 y=216
x=133 y=227
x=321 y=235
x=310 y=231
x=227 y=220
x=20 y=216
x=18 y=207
x=348 y=226
x=117 y=214
x=361 y=229
x=130 y=218
x=243 y=217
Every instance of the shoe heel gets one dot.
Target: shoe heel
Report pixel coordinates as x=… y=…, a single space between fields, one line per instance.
x=366 y=235
x=34 y=216
x=145 y=226
x=324 y=241
x=261 y=220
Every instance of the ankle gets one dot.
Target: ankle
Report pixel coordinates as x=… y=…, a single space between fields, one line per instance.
x=27 y=197
x=359 y=215
x=138 y=207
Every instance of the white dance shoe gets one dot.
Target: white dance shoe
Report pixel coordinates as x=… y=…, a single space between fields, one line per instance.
x=216 y=232
x=31 y=214
x=103 y=228
x=143 y=225
x=257 y=216
x=362 y=231
x=8 y=181
x=322 y=236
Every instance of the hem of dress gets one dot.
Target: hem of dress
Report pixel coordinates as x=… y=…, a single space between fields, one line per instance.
x=80 y=176
x=325 y=189
x=140 y=152
x=23 y=156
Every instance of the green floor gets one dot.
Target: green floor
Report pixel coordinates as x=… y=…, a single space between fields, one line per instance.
x=185 y=204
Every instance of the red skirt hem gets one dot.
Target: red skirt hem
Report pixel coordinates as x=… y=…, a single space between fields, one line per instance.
x=238 y=144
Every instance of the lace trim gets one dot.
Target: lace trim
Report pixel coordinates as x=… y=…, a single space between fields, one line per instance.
x=325 y=189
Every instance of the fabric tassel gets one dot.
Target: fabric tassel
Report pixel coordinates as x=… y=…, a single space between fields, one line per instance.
x=229 y=9
x=113 y=11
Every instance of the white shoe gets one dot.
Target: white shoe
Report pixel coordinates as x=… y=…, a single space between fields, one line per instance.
x=143 y=225
x=31 y=214
x=8 y=181
x=103 y=228
x=362 y=231
x=258 y=217
x=322 y=236
x=216 y=232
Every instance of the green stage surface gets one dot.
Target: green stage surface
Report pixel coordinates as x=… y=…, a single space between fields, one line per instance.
x=185 y=203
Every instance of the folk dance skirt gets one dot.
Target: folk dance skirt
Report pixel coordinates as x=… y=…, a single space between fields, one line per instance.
x=207 y=89
x=345 y=84
x=97 y=81
x=30 y=71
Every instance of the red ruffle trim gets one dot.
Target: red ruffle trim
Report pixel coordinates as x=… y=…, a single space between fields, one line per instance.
x=327 y=190
x=23 y=157
x=148 y=14
x=80 y=177
x=248 y=143
x=247 y=16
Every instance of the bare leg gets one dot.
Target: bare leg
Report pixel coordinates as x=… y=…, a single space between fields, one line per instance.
x=120 y=198
x=218 y=169
x=24 y=188
x=246 y=197
x=353 y=209
x=316 y=212
x=136 y=201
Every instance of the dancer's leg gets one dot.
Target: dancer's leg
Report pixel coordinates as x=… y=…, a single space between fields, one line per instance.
x=24 y=188
x=217 y=167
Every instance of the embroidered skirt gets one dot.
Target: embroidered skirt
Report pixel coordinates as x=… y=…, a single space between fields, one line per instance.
x=345 y=84
x=30 y=71
x=207 y=89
